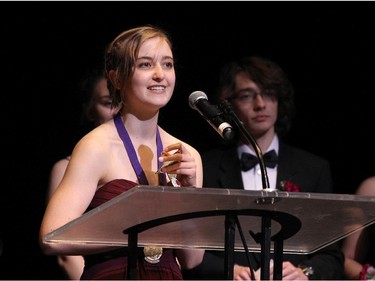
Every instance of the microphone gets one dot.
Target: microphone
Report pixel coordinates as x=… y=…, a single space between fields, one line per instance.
x=198 y=101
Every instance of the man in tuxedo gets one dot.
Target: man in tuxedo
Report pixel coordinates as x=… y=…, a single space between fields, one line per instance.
x=262 y=96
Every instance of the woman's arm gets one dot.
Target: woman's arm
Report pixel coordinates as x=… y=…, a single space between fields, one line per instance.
x=354 y=246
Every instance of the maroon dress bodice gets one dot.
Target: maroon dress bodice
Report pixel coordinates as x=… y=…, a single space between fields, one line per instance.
x=113 y=265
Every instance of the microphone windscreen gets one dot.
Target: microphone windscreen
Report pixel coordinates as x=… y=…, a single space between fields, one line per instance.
x=195 y=96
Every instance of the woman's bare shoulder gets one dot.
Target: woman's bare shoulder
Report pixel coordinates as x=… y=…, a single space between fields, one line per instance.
x=367 y=187
x=99 y=140
x=102 y=134
x=61 y=164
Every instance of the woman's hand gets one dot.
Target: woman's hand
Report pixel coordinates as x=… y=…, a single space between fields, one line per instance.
x=177 y=160
x=241 y=273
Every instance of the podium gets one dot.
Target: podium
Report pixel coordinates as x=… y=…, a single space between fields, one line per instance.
x=186 y=217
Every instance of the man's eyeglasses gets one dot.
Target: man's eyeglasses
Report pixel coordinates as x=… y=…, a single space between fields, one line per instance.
x=249 y=95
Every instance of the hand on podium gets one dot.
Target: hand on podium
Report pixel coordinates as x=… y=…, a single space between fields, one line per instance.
x=257 y=272
x=290 y=272
x=243 y=272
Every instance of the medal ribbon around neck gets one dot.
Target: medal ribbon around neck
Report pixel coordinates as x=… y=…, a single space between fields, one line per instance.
x=133 y=155
x=152 y=253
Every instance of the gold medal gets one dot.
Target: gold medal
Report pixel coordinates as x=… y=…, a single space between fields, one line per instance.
x=152 y=254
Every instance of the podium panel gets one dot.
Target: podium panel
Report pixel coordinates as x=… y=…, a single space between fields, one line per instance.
x=338 y=215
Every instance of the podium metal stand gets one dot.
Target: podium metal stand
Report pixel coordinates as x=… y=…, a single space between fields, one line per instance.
x=186 y=217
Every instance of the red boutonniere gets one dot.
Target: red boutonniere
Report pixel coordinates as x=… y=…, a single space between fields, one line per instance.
x=367 y=272
x=289 y=186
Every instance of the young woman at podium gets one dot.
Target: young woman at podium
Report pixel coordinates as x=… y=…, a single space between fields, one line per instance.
x=125 y=152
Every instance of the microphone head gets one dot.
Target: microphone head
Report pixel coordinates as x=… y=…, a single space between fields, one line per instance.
x=195 y=96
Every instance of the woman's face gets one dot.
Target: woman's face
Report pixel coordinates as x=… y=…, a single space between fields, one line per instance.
x=153 y=79
x=101 y=110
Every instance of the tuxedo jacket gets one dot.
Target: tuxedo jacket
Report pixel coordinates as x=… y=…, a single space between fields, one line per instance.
x=311 y=173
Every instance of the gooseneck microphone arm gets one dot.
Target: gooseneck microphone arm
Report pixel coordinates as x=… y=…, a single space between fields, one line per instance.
x=217 y=116
x=264 y=237
x=227 y=109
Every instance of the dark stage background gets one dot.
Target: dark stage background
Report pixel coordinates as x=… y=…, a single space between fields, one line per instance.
x=327 y=48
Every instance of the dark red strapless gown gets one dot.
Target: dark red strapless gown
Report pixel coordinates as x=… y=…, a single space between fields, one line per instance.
x=114 y=265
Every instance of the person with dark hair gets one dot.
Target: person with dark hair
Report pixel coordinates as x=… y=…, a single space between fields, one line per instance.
x=97 y=103
x=125 y=152
x=262 y=97
x=96 y=109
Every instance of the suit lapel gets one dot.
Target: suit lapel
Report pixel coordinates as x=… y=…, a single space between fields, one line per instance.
x=231 y=172
x=285 y=167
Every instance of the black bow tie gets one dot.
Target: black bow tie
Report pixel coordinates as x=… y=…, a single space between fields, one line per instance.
x=249 y=161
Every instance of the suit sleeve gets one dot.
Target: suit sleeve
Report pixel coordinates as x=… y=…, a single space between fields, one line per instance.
x=328 y=263
x=211 y=268
x=325 y=184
